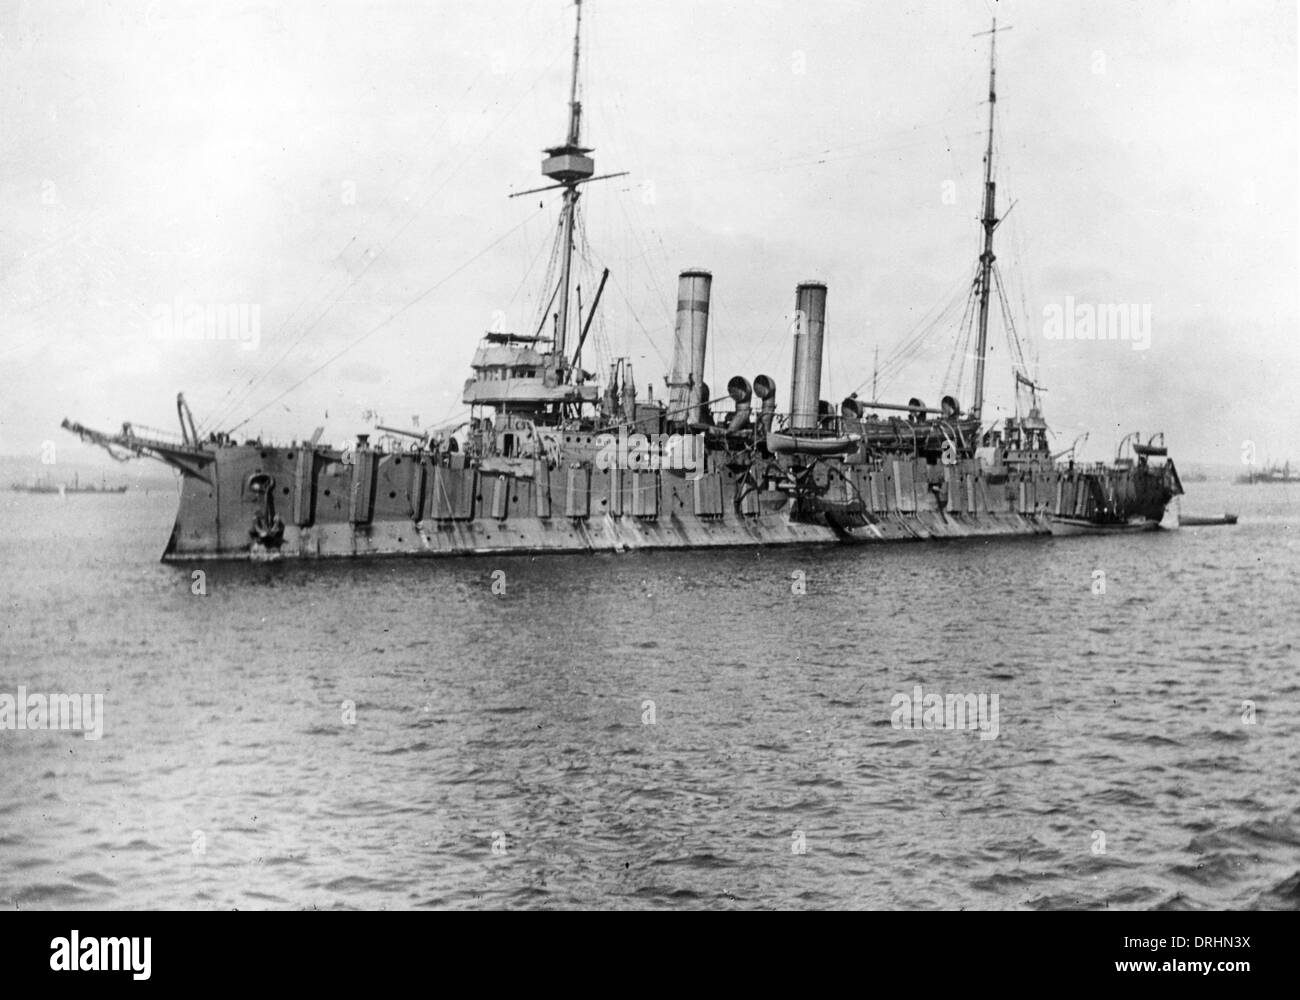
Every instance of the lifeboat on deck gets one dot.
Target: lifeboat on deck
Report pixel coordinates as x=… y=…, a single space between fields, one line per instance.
x=811 y=443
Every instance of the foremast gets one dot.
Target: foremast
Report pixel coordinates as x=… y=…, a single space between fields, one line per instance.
x=570 y=165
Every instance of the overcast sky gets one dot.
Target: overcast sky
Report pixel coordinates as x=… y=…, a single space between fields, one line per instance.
x=344 y=167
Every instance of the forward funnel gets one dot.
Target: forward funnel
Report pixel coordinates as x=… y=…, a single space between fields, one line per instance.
x=690 y=339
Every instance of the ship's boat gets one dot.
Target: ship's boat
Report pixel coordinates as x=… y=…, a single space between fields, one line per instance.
x=552 y=458
x=1083 y=526
x=794 y=443
x=1202 y=521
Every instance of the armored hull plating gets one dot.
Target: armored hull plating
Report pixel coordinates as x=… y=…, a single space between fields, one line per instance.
x=298 y=501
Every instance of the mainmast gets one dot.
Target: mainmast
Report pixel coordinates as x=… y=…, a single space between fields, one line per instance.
x=990 y=223
x=570 y=165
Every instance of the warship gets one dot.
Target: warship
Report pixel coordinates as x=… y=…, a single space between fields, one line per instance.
x=1269 y=474
x=555 y=459
x=43 y=485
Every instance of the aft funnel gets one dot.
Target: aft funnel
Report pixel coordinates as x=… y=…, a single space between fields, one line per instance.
x=809 y=328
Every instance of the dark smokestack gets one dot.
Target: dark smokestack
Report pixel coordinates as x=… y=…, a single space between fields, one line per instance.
x=690 y=338
x=810 y=324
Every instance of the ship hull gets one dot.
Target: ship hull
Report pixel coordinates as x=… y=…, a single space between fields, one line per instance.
x=253 y=502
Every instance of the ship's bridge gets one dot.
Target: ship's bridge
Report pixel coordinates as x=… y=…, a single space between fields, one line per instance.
x=520 y=373
x=1024 y=440
x=1028 y=433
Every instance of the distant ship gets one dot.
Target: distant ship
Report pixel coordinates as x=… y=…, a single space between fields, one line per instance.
x=556 y=459
x=1269 y=474
x=45 y=486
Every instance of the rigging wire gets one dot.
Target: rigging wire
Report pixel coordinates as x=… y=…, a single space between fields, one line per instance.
x=411 y=216
x=618 y=286
x=550 y=281
x=541 y=248
x=1008 y=323
x=837 y=156
x=913 y=341
x=392 y=316
x=962 y=347
x=774 y=354
x=963 y=368
x=889 y=372
x=616 y=139
x=256 y=380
